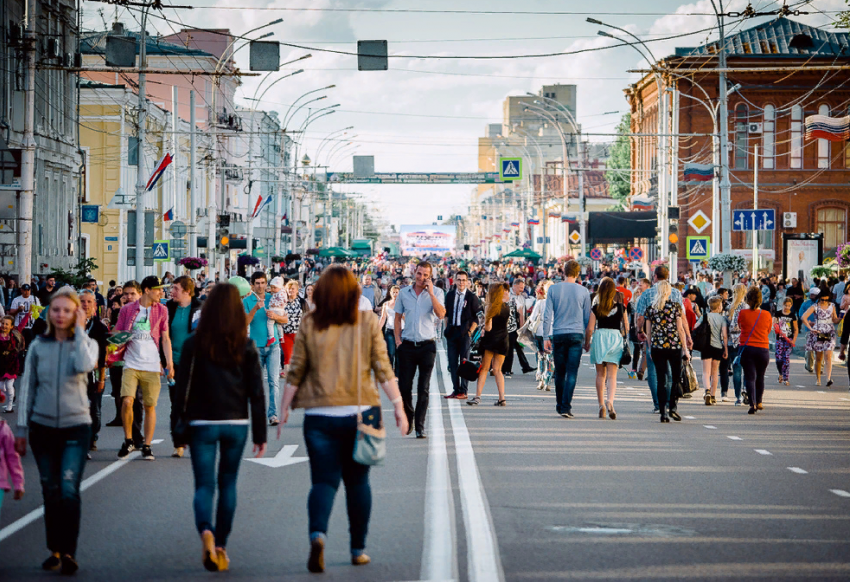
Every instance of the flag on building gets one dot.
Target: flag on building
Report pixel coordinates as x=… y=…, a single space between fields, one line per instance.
x=260 y=205
x=699 y=172
x=569 y=218
x=257 y=206
x=533 y=221
x=642 y=202
x=159 y=169
x=506 y=229
x=554 y=215
x=168 y=216
x=515 y=224
x=828 y=128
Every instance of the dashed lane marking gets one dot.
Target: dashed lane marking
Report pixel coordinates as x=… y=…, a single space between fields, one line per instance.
x=840 y=492
x=734 y=438
x=691 y=417
x=763 y=451
x=708 y=426
x=798 y=470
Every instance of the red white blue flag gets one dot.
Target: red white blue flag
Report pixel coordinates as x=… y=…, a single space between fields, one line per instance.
x=828 y=128
x=261 y=204
x=699 y=172
x=569 y=218
x=642 y=202
x=168 y=216
x=533 y=221
x=159 y=169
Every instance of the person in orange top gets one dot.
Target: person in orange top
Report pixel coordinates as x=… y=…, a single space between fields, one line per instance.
x=755 y=325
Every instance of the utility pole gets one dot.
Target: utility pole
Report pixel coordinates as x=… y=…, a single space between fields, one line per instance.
x=674 y=176
x=141 y=133
x=754 y=233
x=725 y=185
x=27 y=195
x=582 y=204
x=193 y=203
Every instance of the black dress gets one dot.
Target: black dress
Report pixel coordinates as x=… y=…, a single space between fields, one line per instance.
x=496 y=340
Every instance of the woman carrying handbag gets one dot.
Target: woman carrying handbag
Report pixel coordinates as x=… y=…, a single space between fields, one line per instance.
x=342 y=418
x=753 y=353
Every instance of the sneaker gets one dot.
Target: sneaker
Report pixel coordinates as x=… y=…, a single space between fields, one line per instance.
x=178 y=453
x=540 y=385
x=713 y=400
x=474 y=401
x=724 y=399
x=708 y=399
x=115 y=422
x=147 y=454
x=127 y=448
x=567 y=415
x=508 y=376
x=360 y=560
x=52 y=564
x=69 y=565
x=274 y=421
x=9 y=409
x=548 y=388
x=656 y=410
x=739 y=402
x=88 y=456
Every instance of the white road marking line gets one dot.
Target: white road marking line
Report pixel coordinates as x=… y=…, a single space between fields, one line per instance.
x=629 y=388
x=691 y=417
x=840 y=492
x=734 y=438
x=35 y=514
x=708 y=426
x=821 y=392
x=439 y=558
x=483 y=561
x=845 y=399
x=798 y=470
x=798 y=386
x=763 y=451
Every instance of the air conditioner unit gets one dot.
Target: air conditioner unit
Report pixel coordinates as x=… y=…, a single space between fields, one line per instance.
x=756 y=128
x=789 y=220
x=54 y=48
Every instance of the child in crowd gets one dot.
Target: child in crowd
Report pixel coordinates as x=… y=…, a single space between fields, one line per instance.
x=277 y=305
x=11 y=350
x=10 y=464
x=716 y=351
x=786 y=326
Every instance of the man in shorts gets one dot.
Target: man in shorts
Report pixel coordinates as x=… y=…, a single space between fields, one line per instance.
x=147 y=319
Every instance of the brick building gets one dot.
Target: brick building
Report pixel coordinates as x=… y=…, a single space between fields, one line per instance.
x=810 y=178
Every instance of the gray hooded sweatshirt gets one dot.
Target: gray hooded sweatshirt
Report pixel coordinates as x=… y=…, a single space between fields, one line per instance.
x=53 y=390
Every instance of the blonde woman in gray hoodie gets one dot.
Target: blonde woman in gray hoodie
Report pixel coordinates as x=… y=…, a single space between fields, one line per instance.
x=54 y=415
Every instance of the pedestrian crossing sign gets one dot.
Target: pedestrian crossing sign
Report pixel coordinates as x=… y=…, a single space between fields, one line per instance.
x=160 y=250
x=510 y=169
x=699 y=248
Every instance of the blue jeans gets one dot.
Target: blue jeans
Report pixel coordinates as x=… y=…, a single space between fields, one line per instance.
x=60 y=454
x=270 y=363
x=566 y=354
x=204 y=441
x=390 y=339
x=652 y=377
x=330 y=446
x=737 y=373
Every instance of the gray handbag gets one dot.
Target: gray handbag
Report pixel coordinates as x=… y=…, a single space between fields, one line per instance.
x=370 y=444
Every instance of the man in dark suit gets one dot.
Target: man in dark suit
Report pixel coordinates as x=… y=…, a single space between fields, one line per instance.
x=462 y=308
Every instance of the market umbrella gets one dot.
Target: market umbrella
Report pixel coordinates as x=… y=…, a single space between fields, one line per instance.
x=335 y=252
x=523 y=254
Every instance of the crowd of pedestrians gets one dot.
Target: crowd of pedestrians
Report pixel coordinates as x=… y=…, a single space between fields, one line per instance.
x=333 y=336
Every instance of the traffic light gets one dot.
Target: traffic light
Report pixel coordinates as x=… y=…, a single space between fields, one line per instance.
x=222 y=234
x=673 y=236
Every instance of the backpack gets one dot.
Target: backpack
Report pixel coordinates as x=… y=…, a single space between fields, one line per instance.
x=701 y=335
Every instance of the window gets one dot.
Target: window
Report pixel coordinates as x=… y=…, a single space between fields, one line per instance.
x=768 y=163
x=832 y=223
x=742 y=128
x=796 y=137
x=823 y=145
x=765 y=239
x=133 y=151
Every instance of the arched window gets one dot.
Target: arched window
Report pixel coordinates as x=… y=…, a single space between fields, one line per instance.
x=832 y=222
x=796 y=137
x=769 y=128
x=742 y=129
x=823 y=145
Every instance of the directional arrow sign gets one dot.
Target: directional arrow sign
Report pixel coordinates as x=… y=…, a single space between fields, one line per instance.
x=759 y=219
x=281 y=459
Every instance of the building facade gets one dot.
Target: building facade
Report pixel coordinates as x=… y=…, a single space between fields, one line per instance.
x=807 y=179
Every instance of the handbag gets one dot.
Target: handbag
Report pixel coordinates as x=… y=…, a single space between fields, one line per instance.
x=626 y=357
x=182 y=428
x=737 y=360
x=690 y=382
x=370 y=442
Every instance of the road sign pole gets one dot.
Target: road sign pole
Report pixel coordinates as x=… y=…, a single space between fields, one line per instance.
x=755 y=207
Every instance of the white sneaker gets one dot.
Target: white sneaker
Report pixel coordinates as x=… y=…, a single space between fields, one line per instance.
x=724 y=399
x=540 y=385
x=9 y=409
x=178 y=453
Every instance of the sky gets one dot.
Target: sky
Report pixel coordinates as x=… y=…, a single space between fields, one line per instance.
x=426 y=114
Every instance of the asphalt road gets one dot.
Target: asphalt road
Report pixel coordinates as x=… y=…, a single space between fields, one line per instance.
x=514 y=493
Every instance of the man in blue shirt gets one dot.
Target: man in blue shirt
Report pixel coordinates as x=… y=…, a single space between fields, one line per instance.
x=422 y=305
x=565 y=320
x=256 y=304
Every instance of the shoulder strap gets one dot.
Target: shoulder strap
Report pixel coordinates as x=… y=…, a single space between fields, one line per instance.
x=752 y=330
x=357 y=341
x=189 y=385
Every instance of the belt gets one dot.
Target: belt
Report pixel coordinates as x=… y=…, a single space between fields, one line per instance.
x=417 y=344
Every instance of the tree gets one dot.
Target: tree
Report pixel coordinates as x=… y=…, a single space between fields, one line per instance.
x=843 y=20
x=619 y=182
x=78 y=275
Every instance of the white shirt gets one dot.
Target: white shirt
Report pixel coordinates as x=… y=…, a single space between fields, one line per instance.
x=142 y=353
x=364 y=304
x=26 y=303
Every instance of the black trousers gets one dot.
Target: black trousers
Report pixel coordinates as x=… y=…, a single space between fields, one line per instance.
x=754 y=361
x=513 y=346
x=661 y=357
x=95 y=404
x=457 y=349
x=410 y=359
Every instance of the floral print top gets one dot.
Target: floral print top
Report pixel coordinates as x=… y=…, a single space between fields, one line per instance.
x=293 y=312
x=664 y=328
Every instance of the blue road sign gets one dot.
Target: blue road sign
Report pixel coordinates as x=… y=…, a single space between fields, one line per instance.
x=160 y=250
x=761 y=219
x=636 y=254
x=699 y=248
x=510 y=169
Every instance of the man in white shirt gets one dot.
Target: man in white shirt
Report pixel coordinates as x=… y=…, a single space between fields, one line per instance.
x=22 y=304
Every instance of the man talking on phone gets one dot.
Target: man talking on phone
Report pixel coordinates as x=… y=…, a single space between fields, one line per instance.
x=422 y=306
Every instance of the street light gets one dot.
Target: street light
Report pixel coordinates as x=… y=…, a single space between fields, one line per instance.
x=294 y=103
x=332 y=135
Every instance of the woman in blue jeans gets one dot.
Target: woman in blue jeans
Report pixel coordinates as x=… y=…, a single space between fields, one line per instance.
x=53 y=412
x=330 y=376
x=219 y=380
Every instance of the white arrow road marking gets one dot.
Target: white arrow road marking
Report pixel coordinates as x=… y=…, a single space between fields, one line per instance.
x=763 y=451
x=798 y=470
x=840 y=492
x=33 y=515
x=281 y=459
